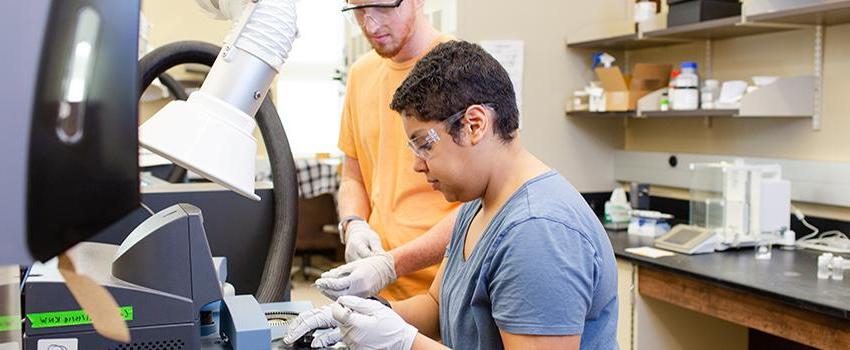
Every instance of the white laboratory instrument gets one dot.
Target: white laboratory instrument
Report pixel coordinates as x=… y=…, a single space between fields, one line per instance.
x=739 y=204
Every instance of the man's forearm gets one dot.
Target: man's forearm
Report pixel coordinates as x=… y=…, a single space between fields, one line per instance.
x=427 y=249
x=353 y=198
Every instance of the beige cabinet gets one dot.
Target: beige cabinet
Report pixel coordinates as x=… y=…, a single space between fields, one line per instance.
x=626 y=278
x=648 y=324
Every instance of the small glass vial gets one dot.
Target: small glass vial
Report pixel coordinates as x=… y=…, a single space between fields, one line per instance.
x=823 y=265
x=709 y=93
x=763 y=250
x=838 y=268
x=764 y=245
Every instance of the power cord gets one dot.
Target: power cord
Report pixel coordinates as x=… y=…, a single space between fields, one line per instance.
x=802 y=217
x=147 y=208
x=830 y=241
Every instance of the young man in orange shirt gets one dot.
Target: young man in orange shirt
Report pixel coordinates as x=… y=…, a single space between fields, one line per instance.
x=383 y=203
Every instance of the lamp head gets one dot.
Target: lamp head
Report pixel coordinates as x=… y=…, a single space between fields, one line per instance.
x=207 y=136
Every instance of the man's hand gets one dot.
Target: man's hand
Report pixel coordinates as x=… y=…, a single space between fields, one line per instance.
x=362 y=278
x=361 y=241
x=368 y=324
x=314 y=319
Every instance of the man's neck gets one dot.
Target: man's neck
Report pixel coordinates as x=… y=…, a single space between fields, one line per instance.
x=423 y=35
x=513 y=169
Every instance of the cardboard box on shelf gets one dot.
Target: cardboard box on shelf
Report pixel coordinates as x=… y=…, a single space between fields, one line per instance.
x=623 y=91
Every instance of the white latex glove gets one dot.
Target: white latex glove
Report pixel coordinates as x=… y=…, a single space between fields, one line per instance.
x=312 y=319
x=361 y=241
x=362 y=278
x=368 y=324
x=326 y=338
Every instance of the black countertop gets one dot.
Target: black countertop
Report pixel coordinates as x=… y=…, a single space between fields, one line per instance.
x=789 y=276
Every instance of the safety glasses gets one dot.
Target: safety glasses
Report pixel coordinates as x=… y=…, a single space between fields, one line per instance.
x=423 y=145
x=379 y=11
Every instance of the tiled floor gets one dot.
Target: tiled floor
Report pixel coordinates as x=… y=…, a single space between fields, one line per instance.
x=304 y=290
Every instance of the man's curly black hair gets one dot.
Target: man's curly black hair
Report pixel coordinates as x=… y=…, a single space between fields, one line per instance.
x=452 y=77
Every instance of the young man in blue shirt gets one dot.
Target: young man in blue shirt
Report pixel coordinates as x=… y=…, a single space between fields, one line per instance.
x=528 y=266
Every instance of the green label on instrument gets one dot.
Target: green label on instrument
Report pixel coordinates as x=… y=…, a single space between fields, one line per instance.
x=9 y=323
x=69 y=318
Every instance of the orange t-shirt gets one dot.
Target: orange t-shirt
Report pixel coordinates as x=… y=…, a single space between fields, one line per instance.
x=403 y=204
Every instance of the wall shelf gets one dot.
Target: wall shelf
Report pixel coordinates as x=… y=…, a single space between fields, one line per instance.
x=702 y=113
x=831 y=13
x=588 y=114
x=723 y=28
x=658 y=114
x=686 y=114
x=620 y=42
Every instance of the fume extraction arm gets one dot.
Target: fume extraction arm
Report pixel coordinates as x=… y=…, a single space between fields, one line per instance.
x=211 y=133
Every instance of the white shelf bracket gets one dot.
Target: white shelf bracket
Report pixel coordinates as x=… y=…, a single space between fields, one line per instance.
x=745 y=22
x=818 y=73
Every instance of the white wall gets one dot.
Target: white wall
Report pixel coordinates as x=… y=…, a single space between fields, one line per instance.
x=309 y=100
x=581 y=149
x=177 y=20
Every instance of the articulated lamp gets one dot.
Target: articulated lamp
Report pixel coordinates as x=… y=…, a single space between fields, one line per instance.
x=211 y=133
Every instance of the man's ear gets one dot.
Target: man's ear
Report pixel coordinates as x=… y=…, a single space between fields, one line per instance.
x=476 y=124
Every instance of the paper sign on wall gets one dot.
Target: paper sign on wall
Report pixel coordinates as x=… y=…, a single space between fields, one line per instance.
x=510 y=54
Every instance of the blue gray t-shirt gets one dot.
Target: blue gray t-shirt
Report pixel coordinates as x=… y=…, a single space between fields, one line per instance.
x=543 y=266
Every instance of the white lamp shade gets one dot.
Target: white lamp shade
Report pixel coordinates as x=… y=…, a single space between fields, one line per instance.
x=207 y=136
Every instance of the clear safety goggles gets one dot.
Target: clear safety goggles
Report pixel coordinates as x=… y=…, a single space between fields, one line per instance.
x=423 y=144
x=378 y=11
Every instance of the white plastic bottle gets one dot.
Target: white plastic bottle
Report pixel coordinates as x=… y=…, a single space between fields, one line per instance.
x=686 y=94
x=709 y=93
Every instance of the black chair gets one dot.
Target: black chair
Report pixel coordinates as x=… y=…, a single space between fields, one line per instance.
x=317 y=233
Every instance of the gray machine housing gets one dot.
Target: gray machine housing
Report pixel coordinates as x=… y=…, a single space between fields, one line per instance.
x=70 y=164
x=20 y=66
x=164 y=270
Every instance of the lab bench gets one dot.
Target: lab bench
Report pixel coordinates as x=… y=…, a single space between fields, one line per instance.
x=781 y=296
